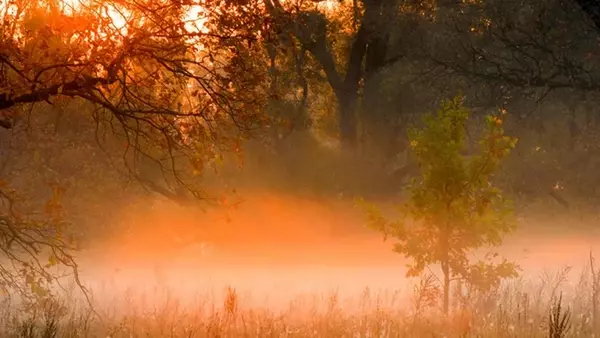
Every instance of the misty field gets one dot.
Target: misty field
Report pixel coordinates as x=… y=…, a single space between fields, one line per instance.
x=221 y=299
x=517 y=309
x=312 y=283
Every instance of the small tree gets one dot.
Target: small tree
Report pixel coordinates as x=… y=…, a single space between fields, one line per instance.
x=453 y=207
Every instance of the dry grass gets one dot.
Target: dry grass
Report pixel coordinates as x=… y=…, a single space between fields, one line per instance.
x=552 y=306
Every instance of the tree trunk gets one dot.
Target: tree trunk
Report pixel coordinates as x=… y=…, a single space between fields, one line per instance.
x=378 y=121
x=347 y=101
x=375 y=114
x=367 y=54
x=446 y=271
x=445 y=262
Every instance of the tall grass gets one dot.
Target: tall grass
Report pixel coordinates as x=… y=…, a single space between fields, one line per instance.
x=553 y=306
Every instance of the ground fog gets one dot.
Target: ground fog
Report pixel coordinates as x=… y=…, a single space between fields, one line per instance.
x=279 y=258
x=276 y=247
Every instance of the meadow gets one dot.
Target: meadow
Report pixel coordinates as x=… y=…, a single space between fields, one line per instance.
x=351 y=286
x=519 y=308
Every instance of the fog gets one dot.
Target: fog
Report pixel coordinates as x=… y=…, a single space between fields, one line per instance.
x=274 y=249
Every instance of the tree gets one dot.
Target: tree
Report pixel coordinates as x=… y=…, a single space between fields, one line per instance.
x=176 y=81
x=364 y=29
x=58 y=146
x=530 y=59
x=452 y=206
x=175 y=84
x=543 y=46
x=36 y=244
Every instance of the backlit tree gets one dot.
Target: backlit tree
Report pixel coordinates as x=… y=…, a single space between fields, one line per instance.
x=176 y=83
x=453 y=206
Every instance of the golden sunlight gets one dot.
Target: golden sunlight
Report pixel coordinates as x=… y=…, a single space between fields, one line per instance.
x=114 y=17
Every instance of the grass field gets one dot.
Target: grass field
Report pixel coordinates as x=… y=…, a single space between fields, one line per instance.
x=519 y=308
x=321 y=301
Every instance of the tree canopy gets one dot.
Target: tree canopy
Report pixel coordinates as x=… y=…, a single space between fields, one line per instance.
x=177 y=82
x=174 y=84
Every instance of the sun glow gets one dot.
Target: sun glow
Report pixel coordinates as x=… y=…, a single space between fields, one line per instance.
x=114 y=19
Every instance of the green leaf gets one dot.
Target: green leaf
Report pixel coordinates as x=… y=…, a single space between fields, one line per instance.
x=453 y=206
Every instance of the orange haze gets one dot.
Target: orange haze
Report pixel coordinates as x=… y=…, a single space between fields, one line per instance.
x=265 y=227
x=285 y=246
